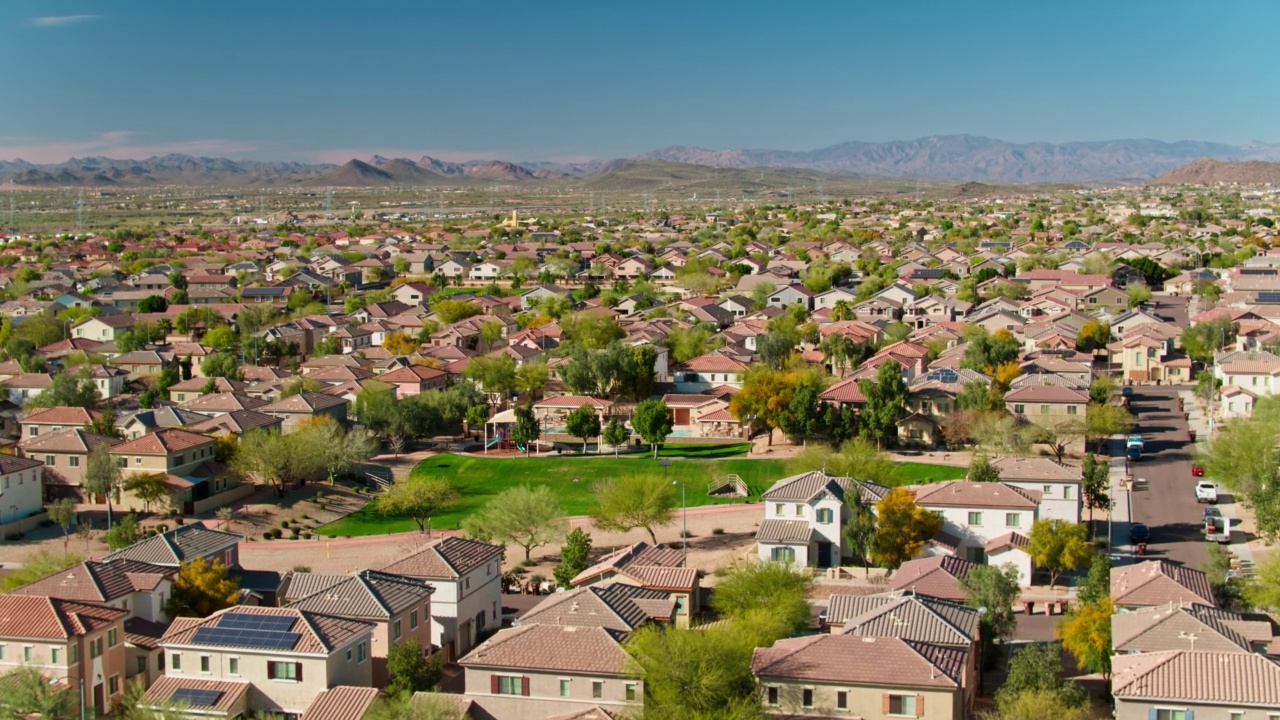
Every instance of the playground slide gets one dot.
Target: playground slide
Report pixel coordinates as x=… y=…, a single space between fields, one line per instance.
x=492 y=443
x=519 y=447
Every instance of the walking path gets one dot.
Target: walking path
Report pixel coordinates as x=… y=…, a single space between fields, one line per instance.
x=1235 y=512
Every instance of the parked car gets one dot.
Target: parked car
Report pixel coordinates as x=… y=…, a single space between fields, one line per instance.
x=1197 y=471
x=1139 y=533
x=1216 y=528
x=1207 y=491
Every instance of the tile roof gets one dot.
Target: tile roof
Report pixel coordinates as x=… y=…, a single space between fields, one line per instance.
x=591 y=713
x=785 y=532
x=1157 y=582
x=938 y=576
x=1194 y=627
x=1232 y=678
x=1008 y=540
x=451 y=557
x=807 y=486
x=616 y=607
x=223 y=402
x=714 y=361
x=185 y=542
x=910 y=617
x=553 y=648
x=61 y=416
x=341 y=703
x=844 y=391
x=236 y=421
x=317 y=634
x=41 y=617
x=574 y=402
x=98 y=582
x=1046 y=394
x=144 y=633
x=162 y=442
x=962 y=493
x=875 y=661
x=307 y=402
x=74 y=440
x=1035 y=469
x=13 y=463
x=637 y=555
x=160 y=694
x=367 y=594
x=412 y=373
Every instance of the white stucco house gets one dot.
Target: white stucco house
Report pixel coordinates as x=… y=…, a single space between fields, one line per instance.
x=977 y=517
x=1058 y=484
x=804 y=515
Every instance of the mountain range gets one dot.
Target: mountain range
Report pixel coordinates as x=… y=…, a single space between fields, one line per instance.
x=951 y=157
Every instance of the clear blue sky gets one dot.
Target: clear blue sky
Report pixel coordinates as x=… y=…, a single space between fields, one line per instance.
x=282 y=79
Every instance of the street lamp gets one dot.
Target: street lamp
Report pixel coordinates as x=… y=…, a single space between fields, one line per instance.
x=684 y=513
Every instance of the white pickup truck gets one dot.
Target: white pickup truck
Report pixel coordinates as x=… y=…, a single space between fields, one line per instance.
x=1206 y=492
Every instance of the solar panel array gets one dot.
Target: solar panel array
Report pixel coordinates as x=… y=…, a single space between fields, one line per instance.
x=1269 y=297
x=944 y=375
x=251 y=621
x=196 y=698
x=266 y=639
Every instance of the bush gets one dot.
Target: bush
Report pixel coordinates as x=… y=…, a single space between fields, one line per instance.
x=303 y=517
x=178 y=520
x=293 y=535
x=162 y=528
x=306 y=536
x=717 y=531
x=268 y=535
x=284 y=523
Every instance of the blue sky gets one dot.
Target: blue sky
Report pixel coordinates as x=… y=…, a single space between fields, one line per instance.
x=281 y=79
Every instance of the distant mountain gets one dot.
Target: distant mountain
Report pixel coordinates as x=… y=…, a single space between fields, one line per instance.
x=968 y=157
x=1207 y=171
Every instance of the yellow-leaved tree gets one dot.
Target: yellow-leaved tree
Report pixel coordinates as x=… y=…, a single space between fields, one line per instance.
x=201 y=589
x=902 y=529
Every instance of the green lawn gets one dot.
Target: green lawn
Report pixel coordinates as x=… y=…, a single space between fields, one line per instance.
x=479 y=479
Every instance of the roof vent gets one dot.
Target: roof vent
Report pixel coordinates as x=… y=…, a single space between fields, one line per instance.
x=868 y=640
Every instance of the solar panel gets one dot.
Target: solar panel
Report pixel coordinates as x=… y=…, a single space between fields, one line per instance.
x=193 y=697
x=249 y=621
x=944 y=375
x=268 y=639
x=1269 y=297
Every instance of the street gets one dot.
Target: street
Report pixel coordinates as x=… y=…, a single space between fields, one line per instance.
x=1166 y=503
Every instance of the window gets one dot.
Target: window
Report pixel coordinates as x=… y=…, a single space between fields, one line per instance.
x=1169 y=714
x=113 y=684
x=55 y=654
x=1044 y=409
x=50 y=460
x=2 y=648
x=975 y=518
x=799 y=510
x=204 y=664
x=360 y=652
x=178 y=460
x=510 y=685
x=111 y=637
x=413 y=618
x=630 y=691
x=1071 y=409
x=33 y=431
x=773 y=696
x=142 y=664
x=597 y=689
x=842 y=700
x=395 y=629
x=825 y=515
x=175 y=661
x=26 y=653
x=137 y=461
x=783 y=554
x=348 y=654
x=1047 y=489
x=1019 y=409
x=564 y=688
x=73 y=654
x=902 y=705
x=233 y=666
x=279 y=670
x=1012 y=519
x=806 y=697
x=95 y=648
x=779 y=509
x=1237 y=715
x=1066 y=492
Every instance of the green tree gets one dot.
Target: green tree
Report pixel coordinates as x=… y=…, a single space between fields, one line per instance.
x=221 y=338
x=525 y=516
x=984 y=352
x=419 y=497
x=801 y=419
x=996 y=589
x=1094 y=334
x=410 y=670
x=583 y=423
x=653 y=423
x=903 y=528
x=25 y=692
x=615 y=434
x=277 y=460
x=1262 y=591
x=1244 y=457
x=975 y=395
x=1037 y=667
x=1059 y=546
x=68 y=390
x=1103 y=389
x=40 y=564
x=1202 y=339
x=221 y=365
x=634 y=501
x=528 y=427
x=590 y=330
x=747 y=588
x=406 y=706
x=886 y=402
x=201 y=589
x=62 y=512
x=477 y=416
x=496 y=375
x=1102 y=420
x=1095 y=484
x=102 y=475
x=532 y=376
x=328 y=345
x=575 y=556
x=153 y=304
x=981 y=470
x=148 y=487
x=1138 y=294
x=1096 y=585
x=860 y=530
x=124 y=533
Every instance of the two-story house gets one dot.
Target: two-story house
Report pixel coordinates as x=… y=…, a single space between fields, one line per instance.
x=183 y=544
x=415 y=379
x=55 y=419
x=466 y=576
x=1048 y=406
x=651 y=567
x=1186 y=684
x=1058 y=484
x=825 y=676
x=185 y=458
x=804 y=516
x=65 y=456
x=21 y=490
x=1171 y=627
x=1158 y=582
x=976 y=513
x=399 y=607
x=68 y=642
x=276 y=659
x=298 y=410
x=103 y=328
x=707 y=371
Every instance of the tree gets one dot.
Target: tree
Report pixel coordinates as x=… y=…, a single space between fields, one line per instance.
x=615 y=434
x=1244 y=457
x=749 y=587
x=652 y=421
x=526 y=516
x=1138 y=294
x=409 y=668
x=102 y=475
x=68 y=390
x=1059 y=437
x=801 y=419
x=1095 y=484
x=271 y=458
x=419 y=497
x=328 y=345
x=1093 y=334
x=975 y=395
x=575 y=556
x=495 y=375
x=1103 y=389
x=400 y=343
x=857 y=458
x=201 y=589
x=981 y=470
x=1040 y=704
x=903 y=528
x=62 y=512
x=1204 y=338
x=583 y=423
x=1037 y=667
x=299 y=385
x=528 y=427
x=984 y=352
x=860 y=530
x=25 y=692
x=531 y=376
x=1262 y=591
x=124 y=533
x=148 y=487
x=1097 y=583
x=700 y=674
x=220 y=365
x=1059 y=546
x=886 y=401
x=634 y=501
x=996 y=589
x=1086 y=635
x=40 y=564
x=451 y=311
x=221 y=338
x=407 y=706
x=153 y=304
x=340 y=449
x=591 y=330
x=1102 y=420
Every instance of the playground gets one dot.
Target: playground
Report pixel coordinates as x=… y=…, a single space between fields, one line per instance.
x=707 y=481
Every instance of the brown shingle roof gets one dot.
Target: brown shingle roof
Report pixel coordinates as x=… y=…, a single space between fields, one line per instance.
x=13 y=464
x=307 y=402
x=616 y=607
x=61 y=416
x=367 y=594
x=97 y=582
x=160 y=694
x=910 y=617
x=75 y=440
x=875 y=661
x=1046 y=394
x=1232 y=678
x=236 y=421
x=552 y=648
x=181 y=543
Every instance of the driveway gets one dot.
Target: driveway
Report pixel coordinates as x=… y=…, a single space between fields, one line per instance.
x=1167 y=501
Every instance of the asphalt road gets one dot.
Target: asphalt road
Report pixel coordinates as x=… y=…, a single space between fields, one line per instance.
x=1167 y=502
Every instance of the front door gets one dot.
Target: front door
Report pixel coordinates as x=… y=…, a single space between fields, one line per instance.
x=823 y=559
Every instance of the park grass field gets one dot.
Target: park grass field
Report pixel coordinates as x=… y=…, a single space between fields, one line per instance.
x=478 y=479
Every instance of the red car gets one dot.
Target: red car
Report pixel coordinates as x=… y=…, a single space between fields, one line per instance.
x=1197 y=471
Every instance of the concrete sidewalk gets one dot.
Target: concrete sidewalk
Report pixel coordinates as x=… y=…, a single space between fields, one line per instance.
x=1122 y=552
x=1233 y=510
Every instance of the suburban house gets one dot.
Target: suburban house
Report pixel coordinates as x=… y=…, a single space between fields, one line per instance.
x=70 y=642
x=825 y=676
x=803 y=518
x=415 y=379
x=1047 y=405
x=144 y=421
x=653 y=568
x=183 y=544
x=1185 y=684
x=938 y=576
x=1157 y=582
x=186 y=460
x=21 y=490
x=975 y=513
x=65 y=456
x=1058 y=485
x=707 y=371
x=398 y=607
x=24 y=387
x=103 y=328
x=273 y=659
x=1184 y=627
x=298 y=410
x=467 y=578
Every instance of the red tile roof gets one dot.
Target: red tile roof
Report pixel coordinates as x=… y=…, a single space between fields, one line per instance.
x=162 y=442
x=39 y=617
